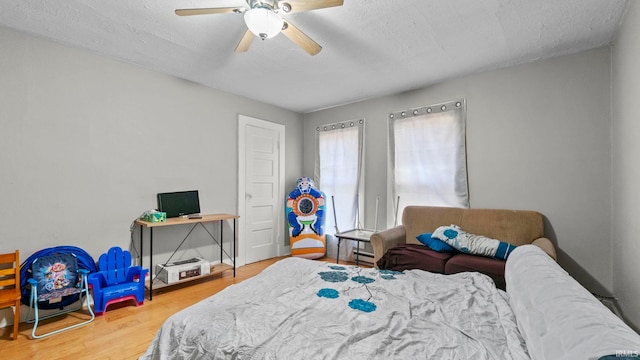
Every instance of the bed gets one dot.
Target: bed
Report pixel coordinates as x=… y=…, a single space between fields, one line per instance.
x=302 y=309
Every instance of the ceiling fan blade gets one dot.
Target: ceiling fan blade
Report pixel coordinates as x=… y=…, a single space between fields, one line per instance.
x=306 y=5
x=206 y=11
x=245 y=42
x=301 y=39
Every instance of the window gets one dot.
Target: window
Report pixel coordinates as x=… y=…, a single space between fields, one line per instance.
x=338 y=175
x=428 y=157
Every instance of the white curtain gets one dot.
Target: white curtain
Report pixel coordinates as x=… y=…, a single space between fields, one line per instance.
x=428 y=157
x=338 y=174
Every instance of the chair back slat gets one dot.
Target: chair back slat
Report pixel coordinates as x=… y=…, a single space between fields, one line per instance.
x=9 y=258
x=114 y=264
x=7 y=272
x=6 y=283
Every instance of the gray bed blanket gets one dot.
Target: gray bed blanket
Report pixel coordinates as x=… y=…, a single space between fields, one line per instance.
x=306 y=309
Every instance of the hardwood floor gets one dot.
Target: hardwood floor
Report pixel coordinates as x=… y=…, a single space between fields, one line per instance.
x=124 y=331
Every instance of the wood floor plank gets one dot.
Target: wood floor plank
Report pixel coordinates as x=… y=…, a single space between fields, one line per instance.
x=125 y=330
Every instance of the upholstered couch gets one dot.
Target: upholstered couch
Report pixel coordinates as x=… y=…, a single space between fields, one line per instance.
x=399 y=249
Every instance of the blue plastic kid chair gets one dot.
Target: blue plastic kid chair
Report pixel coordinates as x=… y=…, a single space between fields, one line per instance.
x=116 y=280
x=56 y=278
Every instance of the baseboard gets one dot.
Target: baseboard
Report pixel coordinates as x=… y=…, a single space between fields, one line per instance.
x=363 y=256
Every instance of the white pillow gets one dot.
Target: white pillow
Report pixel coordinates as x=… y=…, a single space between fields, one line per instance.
x=473 y=244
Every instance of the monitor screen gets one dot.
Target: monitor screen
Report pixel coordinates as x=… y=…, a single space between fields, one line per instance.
x=179 y=203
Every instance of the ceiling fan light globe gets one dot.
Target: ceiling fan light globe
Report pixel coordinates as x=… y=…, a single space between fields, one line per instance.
x=263 y=22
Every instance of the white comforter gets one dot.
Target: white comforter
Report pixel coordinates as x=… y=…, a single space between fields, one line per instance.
x=559 y=318
x=305 y=309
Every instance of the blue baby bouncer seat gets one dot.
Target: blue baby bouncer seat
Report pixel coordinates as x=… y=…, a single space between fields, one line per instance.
x=116 y=280
x=55 y=280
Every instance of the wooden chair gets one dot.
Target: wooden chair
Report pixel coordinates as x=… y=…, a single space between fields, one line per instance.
x=10 y=286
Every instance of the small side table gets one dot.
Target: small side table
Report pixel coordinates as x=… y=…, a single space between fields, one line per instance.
x=357 y=235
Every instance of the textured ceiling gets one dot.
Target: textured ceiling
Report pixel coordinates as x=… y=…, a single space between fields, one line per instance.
x=371 y=48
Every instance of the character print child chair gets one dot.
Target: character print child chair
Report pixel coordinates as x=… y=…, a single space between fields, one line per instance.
x=55 y=279
x=116 y=280
x=305 y=210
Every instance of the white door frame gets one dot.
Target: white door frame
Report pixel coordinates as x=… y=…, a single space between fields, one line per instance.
x=243 y=122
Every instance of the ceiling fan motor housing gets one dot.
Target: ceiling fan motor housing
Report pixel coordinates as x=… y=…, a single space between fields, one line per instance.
x=268 y=4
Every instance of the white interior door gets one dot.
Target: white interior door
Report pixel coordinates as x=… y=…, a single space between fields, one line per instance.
x=261 y=189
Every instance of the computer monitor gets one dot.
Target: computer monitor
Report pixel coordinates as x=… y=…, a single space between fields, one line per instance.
x=179 y=203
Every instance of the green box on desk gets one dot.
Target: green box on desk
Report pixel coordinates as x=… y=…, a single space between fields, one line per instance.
x=154 y=216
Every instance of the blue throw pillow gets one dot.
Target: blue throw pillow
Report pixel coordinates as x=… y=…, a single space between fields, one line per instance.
x=435 y=244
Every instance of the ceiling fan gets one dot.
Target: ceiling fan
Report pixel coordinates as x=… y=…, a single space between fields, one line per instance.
x=263 y=20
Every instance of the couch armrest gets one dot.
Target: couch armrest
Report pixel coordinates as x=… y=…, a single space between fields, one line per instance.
x=385 y=240
x=547 y=246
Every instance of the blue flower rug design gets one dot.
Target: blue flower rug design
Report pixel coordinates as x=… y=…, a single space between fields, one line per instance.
x=362 y=305
x=334 y=276
x=328 y=293
x=363 y=279
x=340 y=274
x=389 y=274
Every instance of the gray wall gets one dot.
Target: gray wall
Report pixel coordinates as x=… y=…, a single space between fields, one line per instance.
x=86 y=143
x=538 y=138
x=626 y=164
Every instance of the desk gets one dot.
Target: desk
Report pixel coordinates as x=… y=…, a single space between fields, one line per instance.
x=195 y=221
x=355 y=235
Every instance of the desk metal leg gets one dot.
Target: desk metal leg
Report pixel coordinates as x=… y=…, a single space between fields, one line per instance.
x=357 y=251
x=151 y=277
x=142 y=252
x=338 y=254
x=140 y=255
x=234 y=248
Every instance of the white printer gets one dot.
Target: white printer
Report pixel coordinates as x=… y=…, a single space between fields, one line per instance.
x=180 y=270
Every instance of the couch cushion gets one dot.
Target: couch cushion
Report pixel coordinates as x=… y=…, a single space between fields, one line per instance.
x=517 y=227
x=425 y=219
x=412 y=256
x=494 y=268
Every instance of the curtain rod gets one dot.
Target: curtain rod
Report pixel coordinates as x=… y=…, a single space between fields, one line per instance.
x=340 y=125
x=430 y=109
